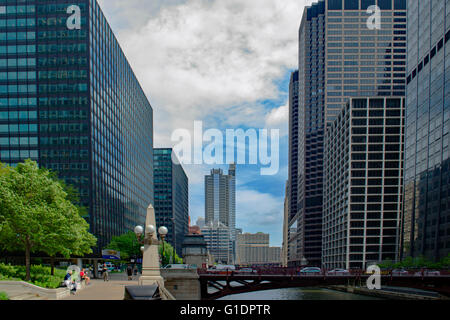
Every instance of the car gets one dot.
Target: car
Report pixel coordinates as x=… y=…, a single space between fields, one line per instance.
x=400 y=272
x=428 y=273
x=246 y=270
x=180 y=266
x=339 y=272
x=310 y=270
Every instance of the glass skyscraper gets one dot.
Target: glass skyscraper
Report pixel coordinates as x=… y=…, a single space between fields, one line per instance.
x=427 y=193
x=339 y=58
x=171 y=197
x=70 y=100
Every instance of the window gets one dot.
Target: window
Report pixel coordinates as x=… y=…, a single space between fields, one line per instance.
x=351 y=4
x=334 y=4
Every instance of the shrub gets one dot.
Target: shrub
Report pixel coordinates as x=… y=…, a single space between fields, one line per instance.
x=3 y=296
x=40 y=275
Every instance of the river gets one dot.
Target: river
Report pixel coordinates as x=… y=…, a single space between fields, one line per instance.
x=298 y=294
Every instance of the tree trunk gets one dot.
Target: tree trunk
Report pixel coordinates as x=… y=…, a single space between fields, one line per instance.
x=52 y=264
x=28 y=260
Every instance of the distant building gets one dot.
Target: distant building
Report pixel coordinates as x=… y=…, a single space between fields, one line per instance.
x=201 y=222
x=195 y=250
x=220 y=200
x=285 y=247
x=219 y=242
x=254 y=249
x=171 y=197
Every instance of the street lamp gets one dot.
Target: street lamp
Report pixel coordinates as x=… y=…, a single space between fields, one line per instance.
x=148 y=236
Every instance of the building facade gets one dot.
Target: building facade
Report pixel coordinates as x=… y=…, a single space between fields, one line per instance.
x=254 y=249
x=219 y=242
x=363 y=184
x=171 y=197
x=426 y=228
x=70 y=100
x=220 y=199
x=340 y=58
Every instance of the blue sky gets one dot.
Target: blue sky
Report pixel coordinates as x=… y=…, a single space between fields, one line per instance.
x=226 y=63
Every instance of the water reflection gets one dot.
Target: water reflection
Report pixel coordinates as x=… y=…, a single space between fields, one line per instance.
x=298 y=294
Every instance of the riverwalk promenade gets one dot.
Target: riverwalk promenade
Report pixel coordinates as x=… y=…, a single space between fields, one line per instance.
x=98 y=289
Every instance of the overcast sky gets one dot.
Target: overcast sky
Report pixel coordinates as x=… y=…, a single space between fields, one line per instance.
x=226 y=63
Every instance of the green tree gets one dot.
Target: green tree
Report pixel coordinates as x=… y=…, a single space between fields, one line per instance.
x=127 y=244
x=168 y=254
x=37 y=216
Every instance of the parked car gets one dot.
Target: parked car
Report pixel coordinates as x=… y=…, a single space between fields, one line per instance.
x=176 y=266
x=428 y=273
x=400 y=272
x=310 y=270
x=339 y=272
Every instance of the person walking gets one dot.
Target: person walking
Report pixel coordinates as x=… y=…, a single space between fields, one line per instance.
x=130 y=273
x=135 y=270
x=105 y=274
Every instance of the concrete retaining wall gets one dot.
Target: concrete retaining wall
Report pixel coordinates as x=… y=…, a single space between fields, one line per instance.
x=17 y=288
x=183 y=284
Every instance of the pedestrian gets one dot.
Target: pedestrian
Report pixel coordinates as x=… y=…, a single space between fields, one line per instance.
x=135 y=270
x=70 y=283
x=84 y=276
x=105 y=274
x=130 y=273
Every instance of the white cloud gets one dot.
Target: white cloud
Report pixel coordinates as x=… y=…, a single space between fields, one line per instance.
x=217 y=61
x=202 y=58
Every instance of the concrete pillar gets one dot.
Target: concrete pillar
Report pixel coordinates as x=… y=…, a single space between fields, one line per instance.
x=150 y=262
x=80 y=263
x=95 y=268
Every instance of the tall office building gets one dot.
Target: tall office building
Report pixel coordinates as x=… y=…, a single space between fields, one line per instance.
x=220 y=197
x=293 y=143
x=171 y=197
x=427 y=193
x=220 y=200
x=363 y=179
x=70 y=100
x=339 y=58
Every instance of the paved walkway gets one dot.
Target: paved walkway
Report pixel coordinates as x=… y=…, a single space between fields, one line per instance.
x=114 y=289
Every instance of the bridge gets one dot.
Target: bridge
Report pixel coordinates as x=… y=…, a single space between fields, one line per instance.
x=215 y=285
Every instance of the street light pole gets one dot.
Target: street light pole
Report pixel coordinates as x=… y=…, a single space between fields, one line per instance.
x=150 y=262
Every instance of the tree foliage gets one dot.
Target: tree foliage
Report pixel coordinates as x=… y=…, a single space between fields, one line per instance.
x=417 y=263
x=36 y=214
x=129 y=247
x=127 y=244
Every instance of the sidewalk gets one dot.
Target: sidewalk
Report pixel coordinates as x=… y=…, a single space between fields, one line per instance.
x=114 y=289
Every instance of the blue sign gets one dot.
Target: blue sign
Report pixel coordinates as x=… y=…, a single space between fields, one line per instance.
x=110 y=255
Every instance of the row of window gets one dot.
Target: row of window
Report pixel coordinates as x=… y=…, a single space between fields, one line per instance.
x=13 y=76
x=13 y=36
x=14 y=89
x=17 y=23
x=18 y=141
x=18 y=115
x=18 y=154
x=14 y=62
x=18 y=128
x=5 y=10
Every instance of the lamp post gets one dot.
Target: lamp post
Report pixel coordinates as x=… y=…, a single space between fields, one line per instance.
x=150 y=243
